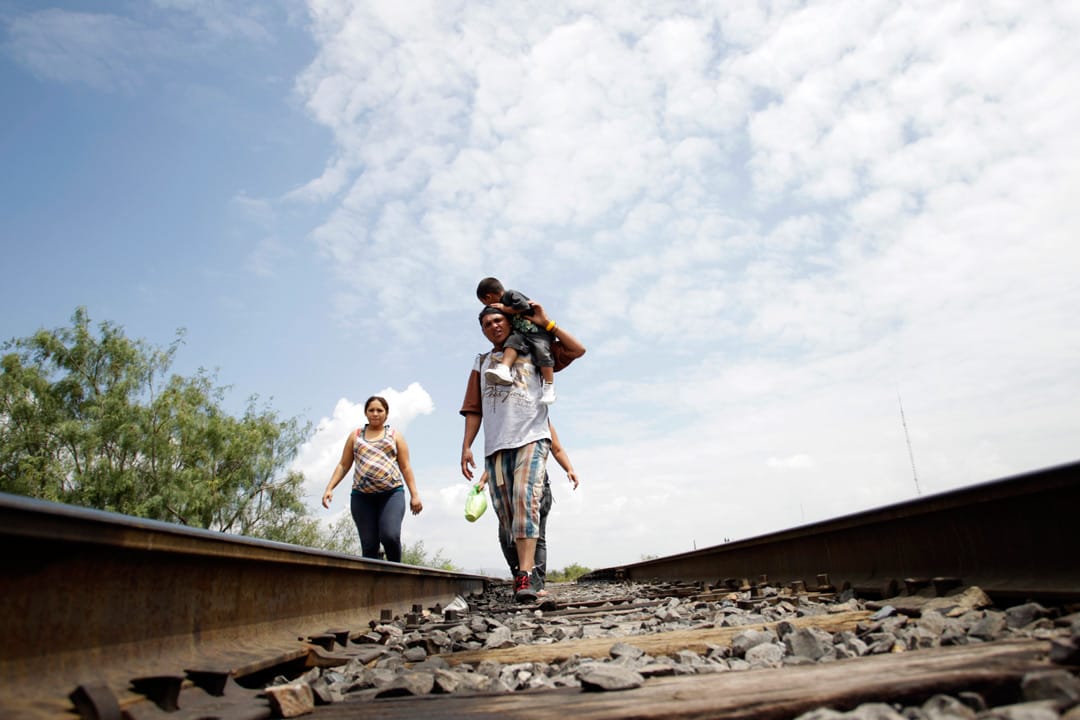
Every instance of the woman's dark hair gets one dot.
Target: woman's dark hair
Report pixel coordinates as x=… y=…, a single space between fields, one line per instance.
x=373 y=398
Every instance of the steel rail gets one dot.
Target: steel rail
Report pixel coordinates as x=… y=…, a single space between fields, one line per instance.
x=91 y=597
x=1015 y=538
x=95 y=598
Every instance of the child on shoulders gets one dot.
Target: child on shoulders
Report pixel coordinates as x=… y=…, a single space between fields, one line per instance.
x=527 y=337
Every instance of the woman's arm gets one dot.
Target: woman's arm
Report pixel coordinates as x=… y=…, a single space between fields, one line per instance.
x=559 y=453
x=406 y=470
x=342 y=468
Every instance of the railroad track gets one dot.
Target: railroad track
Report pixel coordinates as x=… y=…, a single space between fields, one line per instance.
x=1015 y=538
x=102 y=611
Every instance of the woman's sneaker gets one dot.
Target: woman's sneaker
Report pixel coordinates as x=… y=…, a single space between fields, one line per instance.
x=523 y=592
x=498 y=375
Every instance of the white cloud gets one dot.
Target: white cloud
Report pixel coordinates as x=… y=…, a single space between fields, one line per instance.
x=764 y=223
x=318 y=457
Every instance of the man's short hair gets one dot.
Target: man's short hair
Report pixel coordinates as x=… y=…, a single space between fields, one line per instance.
x=489 y=285
x=488 y=310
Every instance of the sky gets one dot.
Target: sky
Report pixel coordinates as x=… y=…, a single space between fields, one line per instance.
x=772 y=224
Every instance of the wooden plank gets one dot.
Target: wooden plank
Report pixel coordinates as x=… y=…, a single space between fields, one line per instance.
x=993 y=669
x=654 y=644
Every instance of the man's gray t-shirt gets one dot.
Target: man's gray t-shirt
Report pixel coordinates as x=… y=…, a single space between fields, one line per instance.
x=513 y=414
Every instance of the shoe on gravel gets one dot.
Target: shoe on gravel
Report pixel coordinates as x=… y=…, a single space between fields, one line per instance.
x=523 y=592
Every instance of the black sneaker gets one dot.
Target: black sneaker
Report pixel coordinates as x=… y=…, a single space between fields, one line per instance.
x=523 y=592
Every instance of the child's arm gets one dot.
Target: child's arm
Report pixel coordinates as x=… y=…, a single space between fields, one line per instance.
x=515 y=303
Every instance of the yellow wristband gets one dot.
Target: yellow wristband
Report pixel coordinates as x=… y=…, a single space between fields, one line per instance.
x=550 y=325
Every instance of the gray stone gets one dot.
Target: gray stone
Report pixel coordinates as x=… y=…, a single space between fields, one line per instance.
x=933 y=622
x=809 y=642
x=919 y=638
x=944 y=707
x=875 y=711
x=499 y=638
x=414 y=654
x=1042 y=710
x=1020 y=616
x=822 y=714
x=884 y=612
x=605 y=677
x=1065 y=652
x=291 y=700
x=883 y=643
x=688 y=657
x=1059 y=686
x=784 y=628
x=656 y=669
x=767 y=655
x=460 y=633
x=408 y=683
x=625 y=650
x=973 y=700
x=852 y=643
x=748 y=639
x=326 y=693
x=991 y=627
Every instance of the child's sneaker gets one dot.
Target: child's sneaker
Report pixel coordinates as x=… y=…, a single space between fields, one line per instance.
x=548 y=395
x=498 y=375
x=523 y=592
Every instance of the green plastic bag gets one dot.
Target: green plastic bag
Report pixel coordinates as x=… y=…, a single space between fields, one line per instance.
x=475 y=503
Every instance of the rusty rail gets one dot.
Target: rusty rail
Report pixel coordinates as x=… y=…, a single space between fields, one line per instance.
x=1015 y=538
x=96 y=598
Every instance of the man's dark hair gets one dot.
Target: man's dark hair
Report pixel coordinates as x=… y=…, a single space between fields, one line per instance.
x=488 y=310
x=489 y=285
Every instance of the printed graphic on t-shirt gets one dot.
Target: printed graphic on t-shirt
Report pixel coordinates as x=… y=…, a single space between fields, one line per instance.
x=517 y=393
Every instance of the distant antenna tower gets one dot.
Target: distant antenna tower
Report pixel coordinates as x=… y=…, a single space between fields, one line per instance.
x=903 y=421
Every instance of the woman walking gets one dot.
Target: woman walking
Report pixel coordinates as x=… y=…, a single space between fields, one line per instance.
x=382 y=470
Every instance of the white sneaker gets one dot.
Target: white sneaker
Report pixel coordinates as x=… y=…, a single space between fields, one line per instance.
x=498 y=375
x=548 y=395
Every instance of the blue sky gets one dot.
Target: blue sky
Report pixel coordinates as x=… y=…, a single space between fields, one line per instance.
x=767 y=221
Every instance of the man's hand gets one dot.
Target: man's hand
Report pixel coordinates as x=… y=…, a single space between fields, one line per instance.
x=537 y=315
x=467 y=463
x=483 y=480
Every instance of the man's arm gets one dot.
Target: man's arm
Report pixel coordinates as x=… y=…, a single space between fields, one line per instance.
x=472 y=408
x=472 y=428
x=568 y=348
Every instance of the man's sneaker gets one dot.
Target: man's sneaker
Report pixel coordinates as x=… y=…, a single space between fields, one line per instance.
x=523 y=592
x=548 y=395
x=498 y=375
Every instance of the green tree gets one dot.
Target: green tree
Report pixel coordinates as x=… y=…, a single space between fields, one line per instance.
x=568 y=574
x=415 y=554
x=95 y=419
x=342 y=537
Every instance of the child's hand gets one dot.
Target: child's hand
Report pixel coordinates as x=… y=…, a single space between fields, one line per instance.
x=501 y=308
